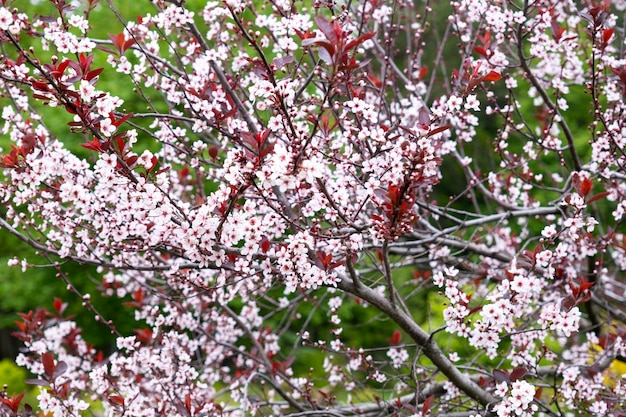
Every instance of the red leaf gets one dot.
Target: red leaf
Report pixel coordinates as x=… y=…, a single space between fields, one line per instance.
x=138 y=295
x=438 y=130
x=518 y=373
x=28 y=144
x=119 y=41
x=63 y=66
x=119 y=141
x=492 y=76
x=47 y=359
x=606 y=34
x=37 y=381
x=375 y=81
x=327 y=28
x=121 y=120
x=475 y=310
x=14 y=402
x=116 y=399
x=356 y=42
x=557 y=30
x=105 y=49
x=568 y=303
x=60 y=369
x=188 y=401
x=128 y=44
x=39 y=85
x=93 y=74
x=265 y=245
x=423 y=117
x=423 y=72
x=11 y=160
x=585 y=187
x=326 y=52
x=501 y=376
x=213 y=152
x=278 y=63
x=304 y=35
x=130 y=161
x=598 y=197
x=480 y=50
x=41 y=97
x=144 y=335
x=58 y=305
x=85 y=61
x=154 y=161
x=585 y=285
x=427 y=404
x=395 y=339
x=94 y=145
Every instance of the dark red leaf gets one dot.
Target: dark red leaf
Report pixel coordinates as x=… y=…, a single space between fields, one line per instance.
x=39 y=85
x=131 y=160
x=358 y=41
x=40 y=97
x=105 y=49
x=585 y=187
x=37 y=381
x=584 y=284
x=93 y=74
x=438 y=130
x=327 y=28
x=502 y=376
x=63 y=65
x=116 y=399
x=121 y=120
x=14 y=402
x=326 y=52
x=60 y=369
x=568 y=302
x=598 y=197
x=475 y=310
x=94 y=145
x=154 y=161
x=518 y=373
x=47 y=359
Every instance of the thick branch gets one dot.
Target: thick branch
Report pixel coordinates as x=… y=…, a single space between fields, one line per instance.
x=423 y=339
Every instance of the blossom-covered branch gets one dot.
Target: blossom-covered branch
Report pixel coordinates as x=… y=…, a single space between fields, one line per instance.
x=321 y=208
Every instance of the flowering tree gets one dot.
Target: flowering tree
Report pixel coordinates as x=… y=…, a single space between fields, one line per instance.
x=265 y=182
